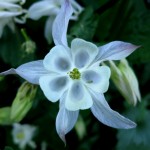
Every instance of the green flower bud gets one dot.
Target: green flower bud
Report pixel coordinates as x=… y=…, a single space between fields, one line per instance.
x=23 y=101
x=80 y=128
x=125 y=80
x=29 y=47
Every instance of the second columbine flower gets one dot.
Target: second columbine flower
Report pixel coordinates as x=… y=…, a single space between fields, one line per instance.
x=11 y=11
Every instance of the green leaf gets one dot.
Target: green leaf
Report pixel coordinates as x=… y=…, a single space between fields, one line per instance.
x=137 y=30
x=5 y=115
x=109 y=24
x=135 y=147
x=139 y=136
x=8 y=148
x=94 y=3
x=12 y=49
x=86 y=25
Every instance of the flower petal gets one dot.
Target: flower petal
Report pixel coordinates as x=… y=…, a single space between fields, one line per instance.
x=5 y=14
x=65 y=121
x=48 y=29
x=42 y=8
x=57 y=60
x=60 y=25
x=77 y=9
x=31 y=71
x=9 y=10
x=83 y=52
x=106 y=115
x=78 y=97
x=115 y=50
x=9 y=6
x=97 y=78
x=53 y=86
x=15 y=1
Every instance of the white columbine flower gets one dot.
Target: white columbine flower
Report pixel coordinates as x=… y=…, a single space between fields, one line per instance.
x=74 y=76
x=51 y=8
x=9 y=11
x=23 y=135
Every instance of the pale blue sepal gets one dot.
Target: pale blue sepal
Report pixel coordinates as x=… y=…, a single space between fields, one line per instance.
x=31 y=71
x=65 y=120
x=48 y=29
x=7 y=72
x=42 y=8
x=115 y=50
x=107 y=116
x=60 y=25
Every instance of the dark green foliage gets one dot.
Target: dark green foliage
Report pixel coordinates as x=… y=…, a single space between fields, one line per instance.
x=86 y=25
x=102 y=21
x=12 y=49
x=8 y=148
x=138 y=137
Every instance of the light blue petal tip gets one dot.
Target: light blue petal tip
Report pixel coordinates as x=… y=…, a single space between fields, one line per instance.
x=10 y=71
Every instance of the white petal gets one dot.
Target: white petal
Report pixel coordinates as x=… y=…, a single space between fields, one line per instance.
x=42 y=8
x=65 y=121
x=78 y=97
x=14 y=1
x=57 y=60
x=22 y=2
x=97 y=78
x=53 y=86
x=9 y=6
x=4 y=14
x=115 y=50
x=48 y=29
x=60 y=25
x=9 y=10
x=31 y=71
x=77 y=9
x=106 y=115
x=83 y=52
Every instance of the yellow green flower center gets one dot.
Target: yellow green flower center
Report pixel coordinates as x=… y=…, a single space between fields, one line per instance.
x=75 y=74
x=20 y=135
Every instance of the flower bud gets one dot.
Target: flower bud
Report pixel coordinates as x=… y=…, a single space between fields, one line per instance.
x=23 y=101
x=80 y=128
x=29 y=47
x=125 y=80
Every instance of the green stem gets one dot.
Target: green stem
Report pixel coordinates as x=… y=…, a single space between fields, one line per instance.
x=23 y=31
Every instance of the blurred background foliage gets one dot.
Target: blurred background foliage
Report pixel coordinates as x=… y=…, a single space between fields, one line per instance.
x=102 y=21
